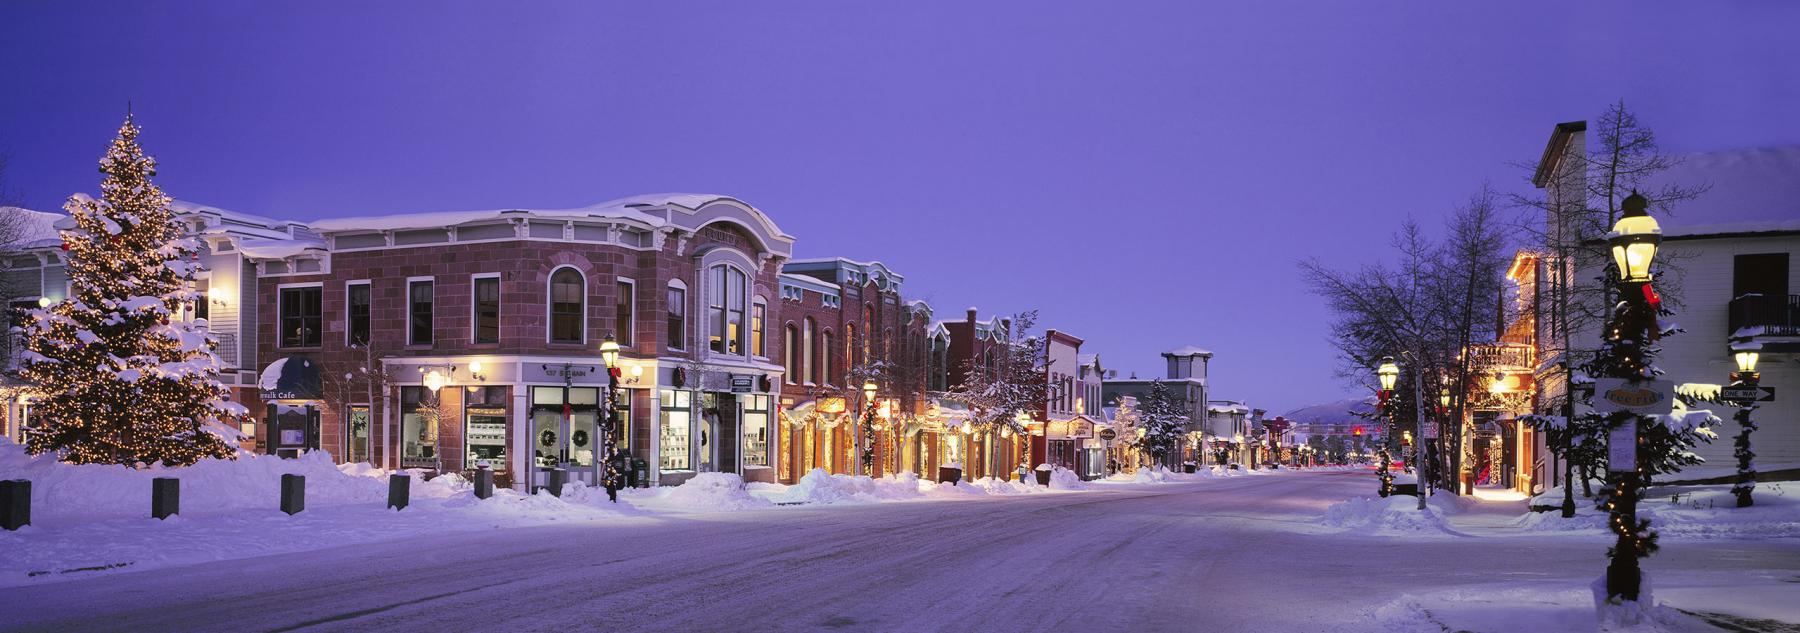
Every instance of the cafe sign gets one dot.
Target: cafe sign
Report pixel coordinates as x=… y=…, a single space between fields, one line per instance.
x=1636 y=396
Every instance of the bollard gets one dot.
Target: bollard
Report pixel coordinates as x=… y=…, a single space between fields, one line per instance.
x=558 y=477
x=484 y=483
x=165 y=497
x=15 y=503
x=399 y=485
x=293 y=494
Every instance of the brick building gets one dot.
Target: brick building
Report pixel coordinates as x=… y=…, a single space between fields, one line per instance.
x=437 y=340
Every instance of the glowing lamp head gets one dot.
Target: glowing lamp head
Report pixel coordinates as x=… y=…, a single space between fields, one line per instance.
x=1444 y=398
x=434 y=380
x=967 y=428
x=1634 y=239
x=1388 y=373
x=609 y=352
x=475 y=367
x=44 y=302
x=868 y=390
x=1746 y=355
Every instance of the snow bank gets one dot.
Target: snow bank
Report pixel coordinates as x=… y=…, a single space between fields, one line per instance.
x=90 y=519
x=704 y=492
x=820 y=487
x=1395 y=514
x=1685 y=512
x=1538 y=606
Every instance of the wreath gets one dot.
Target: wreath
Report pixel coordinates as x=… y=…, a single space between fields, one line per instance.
x=547 y=438
x=580 y=437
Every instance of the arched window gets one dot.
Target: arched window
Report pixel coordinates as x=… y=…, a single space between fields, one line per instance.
x=869 y=324
x=568 y=291
x=725 y=309
x=790 y=352
x=850 y=345
x=829 y=349
x=809 y=368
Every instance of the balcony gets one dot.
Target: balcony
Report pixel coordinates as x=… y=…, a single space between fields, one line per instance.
x=1764 y=315
x=1497 y=356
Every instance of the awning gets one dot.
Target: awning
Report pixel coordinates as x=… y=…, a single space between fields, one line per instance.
x=291 y=378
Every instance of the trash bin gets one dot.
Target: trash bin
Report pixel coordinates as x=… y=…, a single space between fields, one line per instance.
x=640 y=473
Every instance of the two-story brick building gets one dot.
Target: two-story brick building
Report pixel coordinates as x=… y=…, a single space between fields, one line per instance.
x=439 y=340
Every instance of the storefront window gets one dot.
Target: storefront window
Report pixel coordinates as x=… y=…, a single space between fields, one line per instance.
x=486 y=430
x=359 y=434
x=418 y=428
x=546 y=426
x=677 y=420
x=584 y=442
x=756 y=430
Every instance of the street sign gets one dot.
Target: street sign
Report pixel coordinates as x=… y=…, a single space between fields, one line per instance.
x=1108 y=434
x=1636 y=396
x=1431 y=430
x=1747 y=394
x=743 y=383
x=1621 y=448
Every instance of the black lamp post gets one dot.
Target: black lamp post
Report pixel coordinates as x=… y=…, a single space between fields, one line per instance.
x=1634 y=240
x=868 y=428
x=1387 y=373
x=1745 y=354
x=612 y=471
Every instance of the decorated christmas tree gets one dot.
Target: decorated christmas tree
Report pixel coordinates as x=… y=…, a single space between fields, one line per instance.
x=119 y=376
x=1162 y=423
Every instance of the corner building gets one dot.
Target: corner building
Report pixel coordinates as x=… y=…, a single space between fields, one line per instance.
x=438 y=341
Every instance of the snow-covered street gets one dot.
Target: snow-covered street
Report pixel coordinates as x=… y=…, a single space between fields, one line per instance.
x=1233 y=554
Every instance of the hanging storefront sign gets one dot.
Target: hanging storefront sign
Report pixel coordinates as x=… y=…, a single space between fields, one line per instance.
x=743 y=383
x=1646 y=396
x=1109 y=434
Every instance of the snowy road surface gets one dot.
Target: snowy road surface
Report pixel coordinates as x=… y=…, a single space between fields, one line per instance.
x=1239 y=554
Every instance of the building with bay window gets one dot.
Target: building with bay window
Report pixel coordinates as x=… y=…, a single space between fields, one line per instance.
x=444 y=341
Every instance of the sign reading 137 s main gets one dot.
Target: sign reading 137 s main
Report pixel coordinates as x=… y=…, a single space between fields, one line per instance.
x=1636 y=396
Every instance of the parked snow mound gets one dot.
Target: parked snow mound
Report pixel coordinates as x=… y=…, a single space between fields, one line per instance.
x=705 y=492
x=1387 y=515
x=1065 y=479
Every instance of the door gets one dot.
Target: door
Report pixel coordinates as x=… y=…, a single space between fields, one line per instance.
x=358 y=431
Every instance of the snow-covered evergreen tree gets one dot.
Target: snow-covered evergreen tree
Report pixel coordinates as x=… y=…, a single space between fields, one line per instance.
x=118 y=375
x=1162 y=422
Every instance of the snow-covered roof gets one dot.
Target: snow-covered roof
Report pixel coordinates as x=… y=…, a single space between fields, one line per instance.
x=622 y=209
x=1734 y=229
x=1188 y=350
x=810 y=283
x=255 y=248
x=1227 y=406
x=37 y=229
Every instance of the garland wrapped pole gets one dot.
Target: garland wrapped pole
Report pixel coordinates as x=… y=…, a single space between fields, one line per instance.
x=1745 y=354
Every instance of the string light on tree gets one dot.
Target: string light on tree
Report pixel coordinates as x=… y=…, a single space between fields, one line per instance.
x=117 y=375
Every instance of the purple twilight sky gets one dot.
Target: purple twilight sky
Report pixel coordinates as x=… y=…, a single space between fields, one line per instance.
x=1146 y=174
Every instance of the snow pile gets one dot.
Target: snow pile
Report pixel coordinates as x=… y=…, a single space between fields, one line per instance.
x=820 y=487
x=1538 y=606
x=1697 y=512
x=1065 y=479
x=1394 y=514
x=704 y=492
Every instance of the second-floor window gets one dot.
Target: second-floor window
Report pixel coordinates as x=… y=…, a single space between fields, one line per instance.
x=566 y=306
x=677 y=318
x=725 y=310
x=790 y=351
x=301 y=313
x=418 y=312
x=356 y=297
x=487 y=310
x=624 y=318
x=756 y=329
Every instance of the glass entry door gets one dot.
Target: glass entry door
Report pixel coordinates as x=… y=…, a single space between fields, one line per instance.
x=564 y=432
x=359 y=435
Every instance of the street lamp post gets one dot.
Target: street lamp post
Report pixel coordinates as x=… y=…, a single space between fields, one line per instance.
x=1633 y=241
x=1387 y=373
x=868 y=428
x=612 y=471
x=1745 y=353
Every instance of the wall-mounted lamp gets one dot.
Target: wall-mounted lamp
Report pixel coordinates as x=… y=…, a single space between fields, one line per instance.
x=475 y=371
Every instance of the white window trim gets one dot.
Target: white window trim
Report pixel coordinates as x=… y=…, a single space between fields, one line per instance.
x=549 y=299
x=687 y=314
x=347 y=286
x=408 y=311
x=307 y=284
x=474 y=298
x=627 y=327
